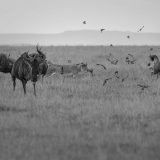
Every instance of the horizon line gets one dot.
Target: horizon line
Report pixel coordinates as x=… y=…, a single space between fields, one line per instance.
x=78 y=31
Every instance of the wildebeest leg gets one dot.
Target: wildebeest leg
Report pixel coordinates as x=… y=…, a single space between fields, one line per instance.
x=42 y=78
x=24 y=82
x=34 y=86
x=157 y=75
x=14 y=83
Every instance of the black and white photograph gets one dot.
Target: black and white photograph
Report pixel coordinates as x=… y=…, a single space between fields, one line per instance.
x=79 y=80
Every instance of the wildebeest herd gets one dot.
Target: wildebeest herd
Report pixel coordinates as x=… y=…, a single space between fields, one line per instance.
x=31 y=66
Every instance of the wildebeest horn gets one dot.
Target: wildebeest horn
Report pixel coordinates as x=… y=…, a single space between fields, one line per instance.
x=41 y=53
x=38 y=50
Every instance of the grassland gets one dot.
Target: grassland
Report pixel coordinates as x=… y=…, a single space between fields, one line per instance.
x=79 y=119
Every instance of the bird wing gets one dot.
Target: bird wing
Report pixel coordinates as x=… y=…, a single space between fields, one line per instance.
x=105 y=81
x=102 y=66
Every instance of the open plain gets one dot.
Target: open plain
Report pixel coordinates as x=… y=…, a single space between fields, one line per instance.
x=80 y=119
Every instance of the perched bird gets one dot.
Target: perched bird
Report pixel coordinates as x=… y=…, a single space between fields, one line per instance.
x=140 y=29
x=102 y=29
x=84 y=22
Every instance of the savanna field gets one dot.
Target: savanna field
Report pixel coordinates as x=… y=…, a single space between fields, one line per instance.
x=80 y=119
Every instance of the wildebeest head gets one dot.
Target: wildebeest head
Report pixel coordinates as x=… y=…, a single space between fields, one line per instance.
x=26 y=68
x=6 y=63
x=153 y=57
x=34 y=63
x=154 y=64
x=41 y=56
x=153 y=60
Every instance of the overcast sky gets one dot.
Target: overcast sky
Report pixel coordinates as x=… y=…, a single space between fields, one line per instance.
x=54 y=16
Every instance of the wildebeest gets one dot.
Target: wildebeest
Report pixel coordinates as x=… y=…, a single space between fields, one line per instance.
x=39 y=56
x=43 y=66
x=27 y=68
x=6 y=63
x=156 y=65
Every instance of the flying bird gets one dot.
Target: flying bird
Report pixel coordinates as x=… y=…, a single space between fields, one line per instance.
x=128 y=37
x=140 y=29
x=102 y=66
x=102 y=29
x=144 y=86
x=151 y=49
x=116 y=72
x=84 y=22
x=115 y=61
x=125 y=78
x=106 y=80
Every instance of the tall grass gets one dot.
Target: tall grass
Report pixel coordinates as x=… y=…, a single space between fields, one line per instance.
x=79 y=118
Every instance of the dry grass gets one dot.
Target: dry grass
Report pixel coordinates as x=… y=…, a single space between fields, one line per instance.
x=80 y=118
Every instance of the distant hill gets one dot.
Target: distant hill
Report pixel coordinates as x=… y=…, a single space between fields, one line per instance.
x=82 y=37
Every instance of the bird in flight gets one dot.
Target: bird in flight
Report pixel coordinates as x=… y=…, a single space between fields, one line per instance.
x=102 y=29
x=144 y=86
x=101 y=65
x=128 y=37
x=106 y=80
x=84 y=22
x=140 y=29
